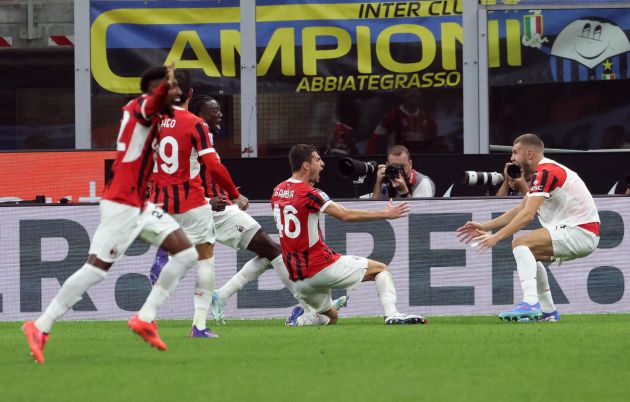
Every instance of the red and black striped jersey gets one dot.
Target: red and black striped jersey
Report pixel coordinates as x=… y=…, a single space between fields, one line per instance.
x=211 y=187
x=567 y=199
x=296 y=209
x=176 y=182
x=135 y=148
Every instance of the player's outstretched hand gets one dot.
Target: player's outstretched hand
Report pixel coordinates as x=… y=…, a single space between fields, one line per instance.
x=242 y=202
x=396 y=211
x=484 y=242
x=469 y=231
x=219 y=203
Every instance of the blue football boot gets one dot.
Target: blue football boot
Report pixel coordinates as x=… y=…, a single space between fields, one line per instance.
x=522 y=312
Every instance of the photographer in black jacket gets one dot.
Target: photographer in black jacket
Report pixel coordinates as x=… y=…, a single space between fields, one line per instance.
x=398 y=178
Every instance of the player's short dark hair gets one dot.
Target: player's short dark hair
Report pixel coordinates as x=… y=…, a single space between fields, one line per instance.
x=150 y=75
x=183 y=82
x=299 y=154
x=197 y=101
x=531 y=140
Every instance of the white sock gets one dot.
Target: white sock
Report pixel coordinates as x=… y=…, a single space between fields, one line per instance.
x=312 y=318
x=526 y=266
x=387 y=292
x=250 y=271
x=173 y=272
x=70 y=293
x=203 y=292
x=544 y=291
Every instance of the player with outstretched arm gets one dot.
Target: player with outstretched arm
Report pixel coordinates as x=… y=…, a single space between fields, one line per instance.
x=315 y=268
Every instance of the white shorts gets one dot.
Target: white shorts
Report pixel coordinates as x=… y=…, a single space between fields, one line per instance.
x=121 y=224
x=571 y=242
x=197 y=224
x=346 y=273
x=234 y=228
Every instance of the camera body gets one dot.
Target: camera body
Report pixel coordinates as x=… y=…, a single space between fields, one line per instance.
x=514 y=171
x=393 y=171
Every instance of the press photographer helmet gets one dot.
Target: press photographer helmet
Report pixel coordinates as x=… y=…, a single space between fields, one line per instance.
x=514 y=171
x=352 y=168
x=472 y=178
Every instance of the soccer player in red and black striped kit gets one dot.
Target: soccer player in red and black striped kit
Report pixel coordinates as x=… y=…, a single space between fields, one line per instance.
x=315 y=268
x=234 y=228
x=125 y=215
x=184 y=142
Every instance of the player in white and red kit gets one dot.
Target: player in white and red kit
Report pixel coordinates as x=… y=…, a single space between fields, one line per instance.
x=125 y=215
x=315 y=268
x=184 y=140
x=570 y=227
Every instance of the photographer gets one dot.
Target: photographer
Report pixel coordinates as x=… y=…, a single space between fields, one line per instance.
x=398 y=179
x=514 y=183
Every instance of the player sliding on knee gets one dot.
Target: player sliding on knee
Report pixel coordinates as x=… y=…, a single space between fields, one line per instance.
x=233 y=227
x=315 y=269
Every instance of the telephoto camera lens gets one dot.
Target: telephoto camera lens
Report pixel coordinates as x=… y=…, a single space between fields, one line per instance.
x=472 y=178
x=349 y=168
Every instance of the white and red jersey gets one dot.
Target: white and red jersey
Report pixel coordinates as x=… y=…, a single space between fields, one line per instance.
x=176 y=181
x=177 y=184
x=568 y=201
x=134 y=157
x=296 y=210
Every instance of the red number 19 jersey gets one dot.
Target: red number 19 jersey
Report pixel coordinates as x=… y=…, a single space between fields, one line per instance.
x=176 y=182
x=296 y=210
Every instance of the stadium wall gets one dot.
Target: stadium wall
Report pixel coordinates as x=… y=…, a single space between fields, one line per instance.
x=433 y=272
x=82 y=174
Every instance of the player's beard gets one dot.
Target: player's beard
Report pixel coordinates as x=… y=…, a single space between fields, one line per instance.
x=527 y=168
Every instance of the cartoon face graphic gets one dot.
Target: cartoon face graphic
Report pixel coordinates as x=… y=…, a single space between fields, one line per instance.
x=590 y=41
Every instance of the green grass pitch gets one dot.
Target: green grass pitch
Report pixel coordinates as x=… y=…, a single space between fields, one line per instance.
x=581 y=358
